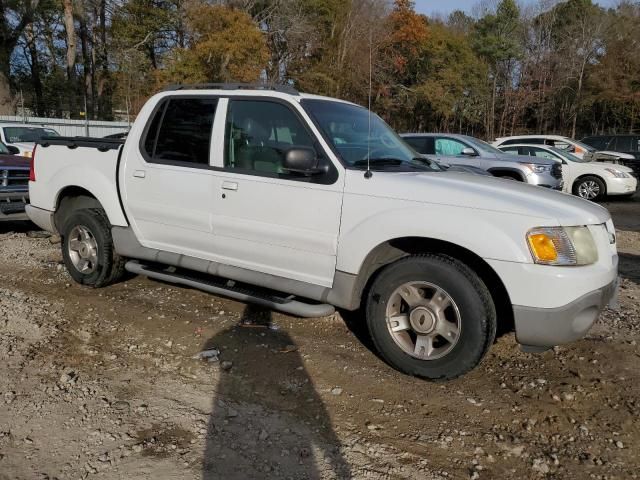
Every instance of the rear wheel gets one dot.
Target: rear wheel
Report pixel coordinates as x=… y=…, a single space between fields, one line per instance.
x=589 y=188
x=87 y=248
x=431 y=316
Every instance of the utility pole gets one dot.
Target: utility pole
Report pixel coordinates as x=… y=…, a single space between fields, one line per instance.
x=24 y=117
x=86 y=117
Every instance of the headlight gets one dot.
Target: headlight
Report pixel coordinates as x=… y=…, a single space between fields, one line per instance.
x=537 y=168
x=28 y=154
x=562 y=246
x=617 y=173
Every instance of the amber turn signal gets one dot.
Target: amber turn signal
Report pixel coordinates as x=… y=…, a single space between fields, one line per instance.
x=543 y=248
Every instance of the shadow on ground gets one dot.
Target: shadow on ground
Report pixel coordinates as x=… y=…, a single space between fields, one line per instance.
x=629 y=266
x=17 y=227
x=267 y=418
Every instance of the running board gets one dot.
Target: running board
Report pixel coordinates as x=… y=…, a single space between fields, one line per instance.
x=231 y=289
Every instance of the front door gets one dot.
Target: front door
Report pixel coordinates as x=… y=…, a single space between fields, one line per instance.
x=265 y=219
x=449 y=150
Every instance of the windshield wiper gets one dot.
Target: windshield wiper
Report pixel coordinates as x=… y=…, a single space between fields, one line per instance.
x=379 y=162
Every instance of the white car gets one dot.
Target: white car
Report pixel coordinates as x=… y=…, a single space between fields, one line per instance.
x=24 y=136
x=303 y=203
x=586 y=179
x=579 y=149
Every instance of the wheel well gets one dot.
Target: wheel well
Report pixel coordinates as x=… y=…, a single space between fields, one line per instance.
x=70 y=199
x=388 y=252
x=497 y=172
x=575 y=182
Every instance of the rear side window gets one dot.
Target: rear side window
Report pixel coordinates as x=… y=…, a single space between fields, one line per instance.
x=180 y=131
x=623 y=144
x=416 y=142
x=599 y=143
x=423 y=145
x=512 y=150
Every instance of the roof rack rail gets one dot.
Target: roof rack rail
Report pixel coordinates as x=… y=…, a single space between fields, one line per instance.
x=234 y=86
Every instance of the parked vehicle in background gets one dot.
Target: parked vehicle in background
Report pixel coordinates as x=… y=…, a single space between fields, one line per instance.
x=24 y=136
x=627 y=144
x=445 y=167
x=456 y=149
x=14 y=187
x=117 y=136
x=303 y=203
x=579 y=149
x=586 y=179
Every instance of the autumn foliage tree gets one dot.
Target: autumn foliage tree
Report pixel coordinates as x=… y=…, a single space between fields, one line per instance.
x=224 y=45
x=569 y=67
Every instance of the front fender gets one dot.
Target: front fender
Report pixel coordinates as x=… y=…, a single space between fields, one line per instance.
x=488 y=234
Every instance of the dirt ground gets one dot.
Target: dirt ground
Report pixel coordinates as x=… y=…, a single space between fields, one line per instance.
x=104 y=384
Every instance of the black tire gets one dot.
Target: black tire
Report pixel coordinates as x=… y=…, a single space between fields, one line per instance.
x=477 y=315
x=109 y=266
x=602 y=188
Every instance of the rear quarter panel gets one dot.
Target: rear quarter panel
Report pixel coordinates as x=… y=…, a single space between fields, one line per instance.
x=58 y=167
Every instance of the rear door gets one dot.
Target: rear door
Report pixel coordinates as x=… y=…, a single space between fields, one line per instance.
x=421 y=144
x=265 y=219
x=167 y=183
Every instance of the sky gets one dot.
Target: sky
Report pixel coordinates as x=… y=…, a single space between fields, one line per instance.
x=444 y=7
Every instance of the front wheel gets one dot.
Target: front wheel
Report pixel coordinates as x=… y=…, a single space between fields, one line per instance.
x=87 y=249
x=589 y=188
x=431 y=316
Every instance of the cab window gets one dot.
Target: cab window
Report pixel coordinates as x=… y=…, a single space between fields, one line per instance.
x=180 y=131
x=258 y=135
x=449 y=147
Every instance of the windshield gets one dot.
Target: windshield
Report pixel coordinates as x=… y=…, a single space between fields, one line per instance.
x=4 y=149
x=482 y=145
x=27 y=134
x=588 y=148
x=346 y=127
x=568 y=156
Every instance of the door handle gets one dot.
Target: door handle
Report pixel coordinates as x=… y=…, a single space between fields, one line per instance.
x=230 y=186
x=139 y=173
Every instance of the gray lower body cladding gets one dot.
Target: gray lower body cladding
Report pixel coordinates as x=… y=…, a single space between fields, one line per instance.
x=342 y=294
x=229 y=289
x=547 y=327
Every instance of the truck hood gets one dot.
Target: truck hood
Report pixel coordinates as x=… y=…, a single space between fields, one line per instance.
x=523 y=159
x=479 y=193
x=609 y=153
x=13 y=161
x=600 y=166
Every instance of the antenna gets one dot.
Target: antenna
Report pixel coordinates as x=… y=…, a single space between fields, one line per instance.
x=368 y=174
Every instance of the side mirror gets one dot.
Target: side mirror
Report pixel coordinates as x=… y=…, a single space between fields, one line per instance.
x=469 y=152
x=303 y=161
x=13 y=150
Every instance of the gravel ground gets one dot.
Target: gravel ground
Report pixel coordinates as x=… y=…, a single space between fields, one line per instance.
x=107 y=384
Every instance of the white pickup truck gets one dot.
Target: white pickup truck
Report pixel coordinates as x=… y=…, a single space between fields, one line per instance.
x=303 y=204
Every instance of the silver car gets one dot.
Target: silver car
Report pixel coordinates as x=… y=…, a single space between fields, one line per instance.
x=455 y=149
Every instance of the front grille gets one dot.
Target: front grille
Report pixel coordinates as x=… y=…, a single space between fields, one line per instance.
x=556 y=170
x=14 y=178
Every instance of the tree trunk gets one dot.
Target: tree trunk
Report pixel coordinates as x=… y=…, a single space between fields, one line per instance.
x=35 y=70
x=70 y=29
x=7 y=103
x=578 y=95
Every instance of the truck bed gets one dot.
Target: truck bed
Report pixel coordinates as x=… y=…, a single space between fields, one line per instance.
x=81 y=163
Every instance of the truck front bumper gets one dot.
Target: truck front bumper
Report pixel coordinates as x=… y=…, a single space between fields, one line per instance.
x=547 y=327
x=12 y=205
